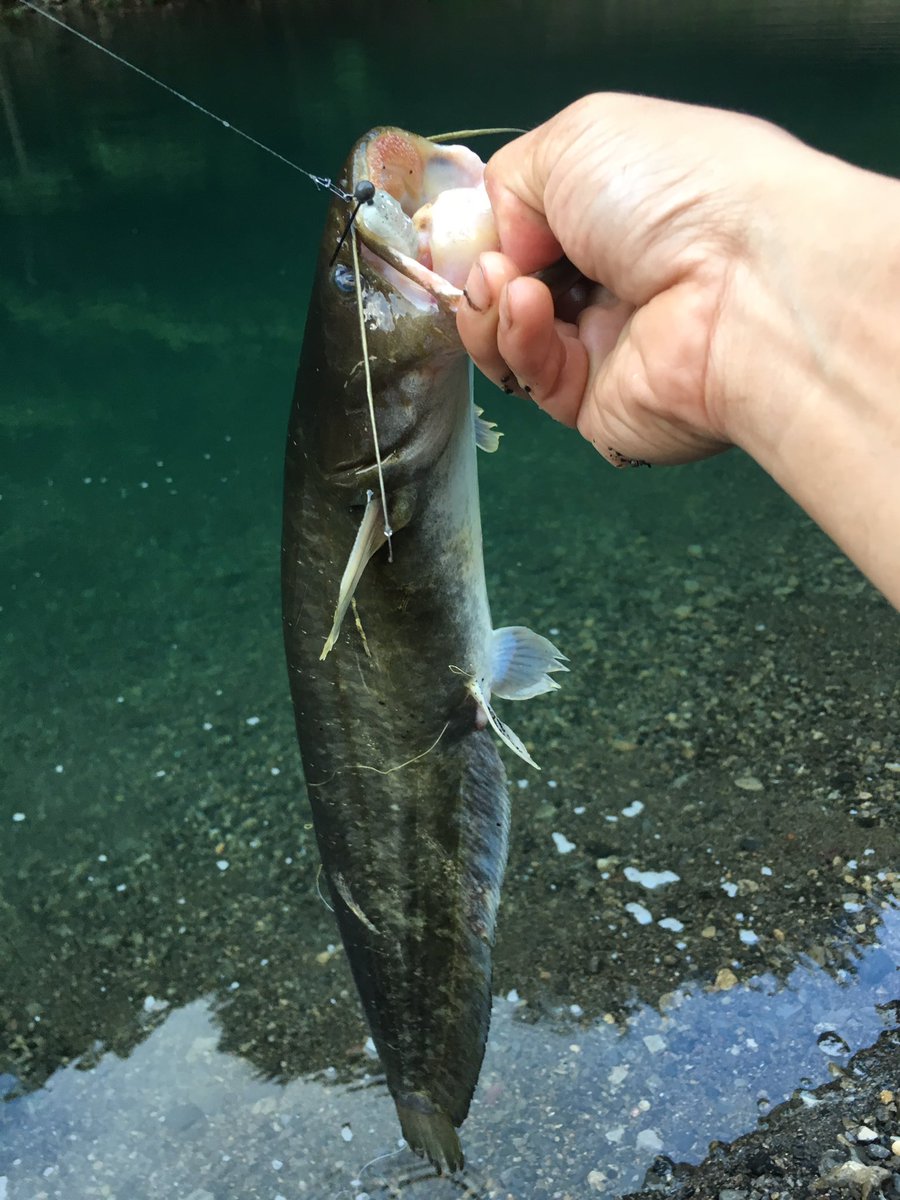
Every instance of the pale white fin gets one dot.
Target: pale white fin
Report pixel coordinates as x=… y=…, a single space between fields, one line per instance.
x=344 y=892
x=487 y=435
x=521 y=663
x=369 y=538
x=503 y=732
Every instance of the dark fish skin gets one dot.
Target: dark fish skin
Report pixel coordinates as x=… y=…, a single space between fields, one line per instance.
x=413 y=854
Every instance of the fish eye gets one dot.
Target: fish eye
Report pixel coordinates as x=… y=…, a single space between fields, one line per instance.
x=344 y=279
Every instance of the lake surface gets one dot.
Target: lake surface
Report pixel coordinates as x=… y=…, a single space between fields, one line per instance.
x=176 y=1018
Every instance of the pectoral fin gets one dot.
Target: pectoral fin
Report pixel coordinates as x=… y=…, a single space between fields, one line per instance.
x=487 y=435
x=369 y=538
x=503 y=732
x=521 y=663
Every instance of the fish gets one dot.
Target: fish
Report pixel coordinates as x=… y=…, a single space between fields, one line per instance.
x=392 y=658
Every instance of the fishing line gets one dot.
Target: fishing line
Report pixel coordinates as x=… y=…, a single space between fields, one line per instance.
x=363 y=193
x=388 y=532
x=319 y=180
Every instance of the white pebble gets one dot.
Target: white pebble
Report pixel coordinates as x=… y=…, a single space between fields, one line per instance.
x=576 y=1010
x=654 y=1043
x=635 y=807
x=252 y=720
x=207 y=725
x=730 y=889
x=20 y=816
x=671 y=923
x=277 y=1164
x=346 y=1133
x=642 y=915
x=223 y=864
x=650 y=879
x=551 y=783
x=59 y=768
x=522 y=783
x=649 y=1139
x=562 y=843
x=275 y=770
x=512 y=996
x=579 y=810
x=748 y=937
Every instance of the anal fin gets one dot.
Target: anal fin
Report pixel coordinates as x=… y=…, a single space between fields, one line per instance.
x=487 y=435
x=369 y=537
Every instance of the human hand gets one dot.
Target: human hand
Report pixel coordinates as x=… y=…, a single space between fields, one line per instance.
x=670 y=207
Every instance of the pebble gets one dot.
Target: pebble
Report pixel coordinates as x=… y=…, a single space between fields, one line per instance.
x=749 y=783
x=866 y=1134
x=650 y=879
x=642 y=915
x=632 y=810
x=562 y=843
x=649 y=1139
x=725 y=980
x=671 y=923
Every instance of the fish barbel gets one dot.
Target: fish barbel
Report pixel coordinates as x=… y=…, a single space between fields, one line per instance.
x=391 y=653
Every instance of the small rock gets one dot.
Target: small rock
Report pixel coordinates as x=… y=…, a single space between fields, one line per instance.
x=649 y=1139
x=749 y=783
x=725 y=980
x=855 y=1176
x=866 y=1134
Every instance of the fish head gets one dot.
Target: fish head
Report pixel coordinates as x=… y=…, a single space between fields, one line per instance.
x=426 y=219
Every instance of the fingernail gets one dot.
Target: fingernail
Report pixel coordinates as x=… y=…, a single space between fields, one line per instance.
x=476 y=290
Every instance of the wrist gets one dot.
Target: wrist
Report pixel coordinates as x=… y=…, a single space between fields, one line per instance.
x=808 y=359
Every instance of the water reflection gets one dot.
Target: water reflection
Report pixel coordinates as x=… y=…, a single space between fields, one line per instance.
x=559 y=1102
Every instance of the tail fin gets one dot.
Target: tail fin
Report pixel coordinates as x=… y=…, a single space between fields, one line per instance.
x=429 y=1131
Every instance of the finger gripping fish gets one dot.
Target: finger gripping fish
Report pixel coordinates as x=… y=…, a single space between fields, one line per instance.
x=391 y=653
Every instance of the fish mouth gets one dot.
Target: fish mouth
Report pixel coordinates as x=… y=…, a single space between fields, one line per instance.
x=429 y=218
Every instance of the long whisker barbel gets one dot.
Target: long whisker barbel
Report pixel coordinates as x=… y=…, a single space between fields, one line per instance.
x=319 y=180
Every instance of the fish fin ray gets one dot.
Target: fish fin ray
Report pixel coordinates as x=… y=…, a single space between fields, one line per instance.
x=429 y=1132
x=506 y=735
x=487 y=435
x=369 y=537
x=522 y=662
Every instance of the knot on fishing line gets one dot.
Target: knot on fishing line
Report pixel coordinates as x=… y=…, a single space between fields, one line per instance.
x=363 y=193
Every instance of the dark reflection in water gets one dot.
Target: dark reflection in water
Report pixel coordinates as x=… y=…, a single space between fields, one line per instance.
x=171 y=999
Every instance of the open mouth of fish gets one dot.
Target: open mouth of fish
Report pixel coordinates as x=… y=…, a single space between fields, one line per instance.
x=430 y=216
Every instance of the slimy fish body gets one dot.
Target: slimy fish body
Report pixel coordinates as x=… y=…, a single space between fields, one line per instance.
x=391 y=653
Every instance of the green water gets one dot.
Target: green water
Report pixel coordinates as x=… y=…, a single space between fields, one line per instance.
x=172 y=1019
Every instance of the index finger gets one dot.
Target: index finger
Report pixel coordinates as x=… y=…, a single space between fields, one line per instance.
x=515 y=178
